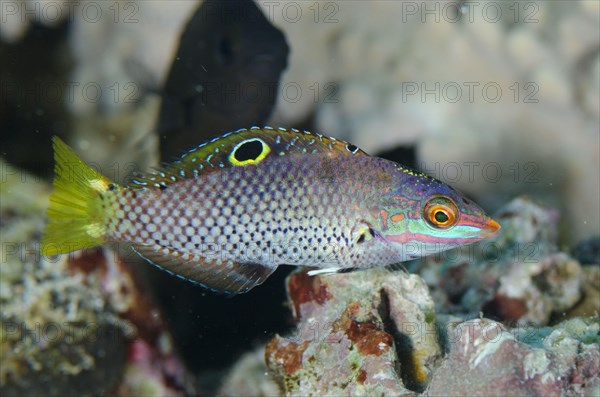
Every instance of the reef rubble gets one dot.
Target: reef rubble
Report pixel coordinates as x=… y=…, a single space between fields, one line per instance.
x=77 y=324
x=380 y=335
x=502 y=325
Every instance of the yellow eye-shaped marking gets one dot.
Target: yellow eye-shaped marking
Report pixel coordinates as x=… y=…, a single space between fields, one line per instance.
x=441 y=213
x=249 y=151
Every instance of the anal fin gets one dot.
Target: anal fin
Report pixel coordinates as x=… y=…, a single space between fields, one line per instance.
x=226 y=277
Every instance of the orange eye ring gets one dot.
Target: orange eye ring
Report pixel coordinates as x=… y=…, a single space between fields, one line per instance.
x=440 y=213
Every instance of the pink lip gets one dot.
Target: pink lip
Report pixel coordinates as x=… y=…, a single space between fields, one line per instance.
x=490 y=229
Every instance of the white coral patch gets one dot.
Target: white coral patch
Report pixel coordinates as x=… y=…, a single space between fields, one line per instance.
x=535 y=363
x=488 y=343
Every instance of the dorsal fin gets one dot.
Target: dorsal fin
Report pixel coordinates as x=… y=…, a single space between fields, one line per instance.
x=243 y=148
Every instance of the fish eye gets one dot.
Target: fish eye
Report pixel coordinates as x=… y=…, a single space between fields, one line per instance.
x=440 y=213
x=441 y=216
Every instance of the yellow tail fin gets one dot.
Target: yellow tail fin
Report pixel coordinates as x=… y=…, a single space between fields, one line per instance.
x=75 y=216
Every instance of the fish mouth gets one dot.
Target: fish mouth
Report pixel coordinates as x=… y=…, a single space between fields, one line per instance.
x=490 y=229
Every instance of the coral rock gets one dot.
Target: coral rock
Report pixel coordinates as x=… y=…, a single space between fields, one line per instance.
x=75 y=324
x=361 y=327
x=485 y=358
x=249 y=377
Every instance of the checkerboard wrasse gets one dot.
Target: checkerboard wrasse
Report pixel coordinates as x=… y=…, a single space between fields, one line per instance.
x=227 y=213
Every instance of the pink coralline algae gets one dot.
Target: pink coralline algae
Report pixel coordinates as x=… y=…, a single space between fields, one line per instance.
x=356 y=335
x=487 y=359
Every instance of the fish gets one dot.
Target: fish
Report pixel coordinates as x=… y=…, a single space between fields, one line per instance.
x=227 y=213
x=225 y=74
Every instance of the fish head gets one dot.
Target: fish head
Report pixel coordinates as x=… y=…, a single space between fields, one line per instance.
x=426 y=216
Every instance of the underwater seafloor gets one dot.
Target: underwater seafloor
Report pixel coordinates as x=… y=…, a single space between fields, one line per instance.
x=499 y=99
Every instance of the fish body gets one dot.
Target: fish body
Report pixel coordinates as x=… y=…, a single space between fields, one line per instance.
x=227 y=213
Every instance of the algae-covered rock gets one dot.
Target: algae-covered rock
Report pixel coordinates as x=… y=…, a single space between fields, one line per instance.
x=77 y=324
x=486 y=358
x=58 y=335
x=249 y=377
x=374 y=333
